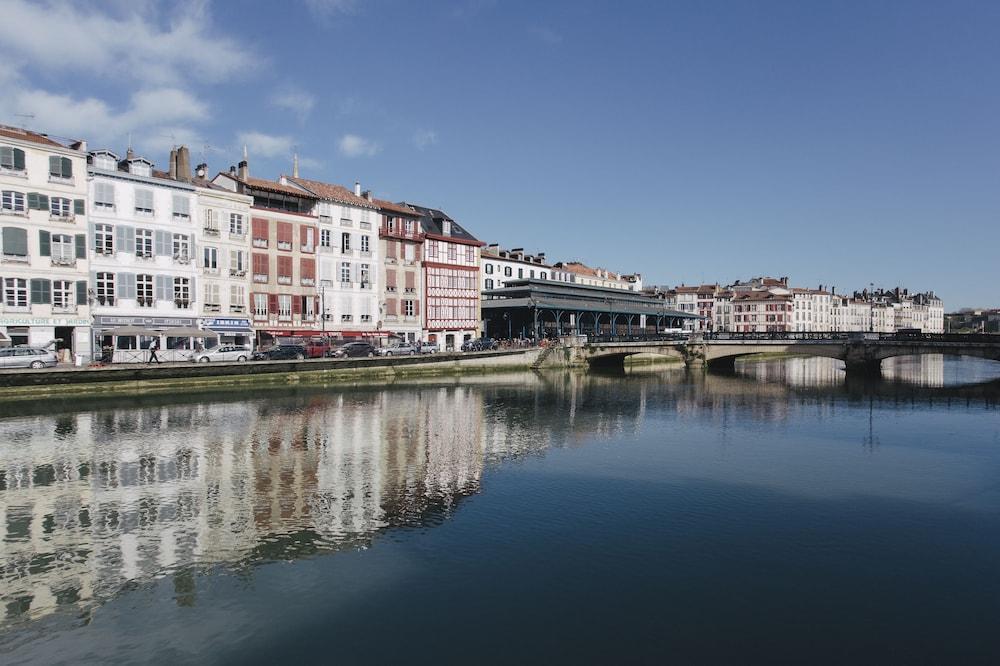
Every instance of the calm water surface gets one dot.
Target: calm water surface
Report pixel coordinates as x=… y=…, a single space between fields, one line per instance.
x=781 y=514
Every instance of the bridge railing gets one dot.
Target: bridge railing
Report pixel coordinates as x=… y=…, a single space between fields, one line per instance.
x=650 y=337
x=805 y=336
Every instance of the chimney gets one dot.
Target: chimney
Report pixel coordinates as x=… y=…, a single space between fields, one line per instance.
x=173 y=164
x=495 y=246
x=243 y=170
x=184 y=164
x=232 y=170
x=357 y=188
x=367 y=194
x=283 y=180
x=201 y=170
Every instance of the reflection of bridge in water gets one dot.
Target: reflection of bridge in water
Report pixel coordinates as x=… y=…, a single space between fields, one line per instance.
x=860 y=352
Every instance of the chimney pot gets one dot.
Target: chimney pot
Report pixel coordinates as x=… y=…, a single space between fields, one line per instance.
x=172 y=167
x=184 y=164
x=357 y=188
x=244 y=170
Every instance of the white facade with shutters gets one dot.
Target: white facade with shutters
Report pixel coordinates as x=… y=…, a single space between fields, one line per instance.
x=143 y=270
x=43 y=243
x=348 y=267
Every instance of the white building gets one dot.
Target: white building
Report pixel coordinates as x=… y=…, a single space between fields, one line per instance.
x=349 y=258
x=811 y=310
x=44 y=262
x=580 y=273
x=224 y=258
x=143 y=274
x=500 y=266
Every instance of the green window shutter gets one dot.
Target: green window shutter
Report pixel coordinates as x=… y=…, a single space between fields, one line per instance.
x=67 y=167
x=15 y=241
x=79 y=206
x=81 y=246
x=44 y=244
x=43 y=202
x=81 y=292
x=55 y=167
x=7 y=157
x=32 y=200
x=41 y=292
x=18 y=159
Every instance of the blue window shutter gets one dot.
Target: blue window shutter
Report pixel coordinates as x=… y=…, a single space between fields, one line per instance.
x=41 y=292
x=81 y=292
x=44 y=244
x=79 y=207
x=81 y=246
x=162 y=244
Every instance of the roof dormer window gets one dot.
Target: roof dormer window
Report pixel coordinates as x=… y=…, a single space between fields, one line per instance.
x=446 y=227
x=104 y=160
x=140 y=167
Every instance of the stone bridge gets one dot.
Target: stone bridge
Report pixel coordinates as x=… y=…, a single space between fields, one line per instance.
x=861 y=352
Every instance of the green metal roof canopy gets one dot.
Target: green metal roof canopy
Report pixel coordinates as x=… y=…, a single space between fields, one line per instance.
x=552 y=295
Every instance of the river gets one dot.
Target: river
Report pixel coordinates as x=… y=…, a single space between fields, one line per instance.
x=779 y=514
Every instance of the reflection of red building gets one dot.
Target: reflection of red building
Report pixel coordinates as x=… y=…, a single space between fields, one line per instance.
x=451 y=279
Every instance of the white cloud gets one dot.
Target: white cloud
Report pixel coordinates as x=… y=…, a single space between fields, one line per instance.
x=329 y=8
x=297 y=101
x=424 y=138
x=545 y=35
x=266 y=145
x=63 y=37
x=352 y=145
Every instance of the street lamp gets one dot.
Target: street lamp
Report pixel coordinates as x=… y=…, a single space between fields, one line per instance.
x=871 y=307
x=323 y=284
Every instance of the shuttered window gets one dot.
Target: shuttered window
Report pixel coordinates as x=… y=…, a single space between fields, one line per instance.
x=104 y=195
x=41 y=292
x=260 y=267
x=182 y=207
x=259 y=231
x=60 y=167
x=11 y=159
x=144 y=202
x=15 y=242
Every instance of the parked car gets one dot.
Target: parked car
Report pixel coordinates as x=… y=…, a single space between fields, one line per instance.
x=281 y=353
x=428 y=348
x=317 y=348
x=398 y=349
x=27 y=357
x=353 y=349
x=479 y=344
x=222 y=353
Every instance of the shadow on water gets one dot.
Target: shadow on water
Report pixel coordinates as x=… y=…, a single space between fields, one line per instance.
x=102 y=500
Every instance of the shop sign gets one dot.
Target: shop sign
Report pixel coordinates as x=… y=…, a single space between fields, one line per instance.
x=108 y=321
x=28 y=320
x=227 y=324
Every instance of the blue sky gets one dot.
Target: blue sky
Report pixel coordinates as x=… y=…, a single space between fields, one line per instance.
x=837 y=143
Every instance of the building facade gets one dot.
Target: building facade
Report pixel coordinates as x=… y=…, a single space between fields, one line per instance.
x=401 y=241
x=762 y=312
x=283 y=298
x=451 y=280
x=44 y=258
x=143 y=273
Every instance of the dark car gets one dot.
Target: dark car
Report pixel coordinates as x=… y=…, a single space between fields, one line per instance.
x=353 y=349
x=280 y=353
x=480 y=344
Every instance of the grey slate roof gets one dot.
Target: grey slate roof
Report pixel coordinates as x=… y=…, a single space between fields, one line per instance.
x=431 y=219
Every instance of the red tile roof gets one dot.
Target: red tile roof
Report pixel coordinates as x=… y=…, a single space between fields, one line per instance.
x=333 y=192
x=28 y=135
x=395 y=208
x=272 y=186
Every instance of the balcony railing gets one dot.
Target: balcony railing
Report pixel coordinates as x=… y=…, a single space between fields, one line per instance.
x=307 y=248
x=308 y=282
x=64 y=261
x=260 y=242
x=238 y=272
x=105 y=300
x=69 y=217
x=212 y=307
x=237 y=309
x=211 y=231
x=182 y=259
x=182 y=303
x=260 y=277
x=284 y=279
x=15 y=258
x=284 y=245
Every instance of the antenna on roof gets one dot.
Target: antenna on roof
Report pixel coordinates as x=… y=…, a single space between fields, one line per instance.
x=166 y=135
x=25 y=115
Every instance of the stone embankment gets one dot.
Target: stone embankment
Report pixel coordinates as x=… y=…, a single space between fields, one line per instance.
x=181 y=376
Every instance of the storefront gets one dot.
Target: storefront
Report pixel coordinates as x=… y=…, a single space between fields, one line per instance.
x=68 y=335
x=232 y=331
x=126 y=339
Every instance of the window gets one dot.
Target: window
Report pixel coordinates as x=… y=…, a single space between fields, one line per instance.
x=308 y=308
x=181 y=248
x=63 y=250
x=60 y=207
x=60 y=167
x=365 y=276
x=212 y=299
x=324 y=237
x=210 y=259
x=307 y=239
x=182 y=292
x=211 y=222
x=260 y=306
x=15 y=243
x=182 y=208
x=236 y=227
x=62 y=294
x=489 y=269
x=345 y=242
x=12 y=202
x=260 y=232
x=285 y=232
x=520 y=273
x=284 y=270
x=345 y=272
x=11 y=159
x=144 y=202
x=452 y=252
x=408 y=309
x=260 y=267
x=408 y=253
x=104 y=196
x=144 y=290
x=489 y=283
x=104 y=236
x=237 y=263
x=15 y=292
x=237 y=298
x=408 y=226
x=390 y=224
x=470 y=254
x=284 y=306
x=144 y=243
x=508 y=271
x=106 y=288
x=140 y=168
x=543 y=275
x=364 y=244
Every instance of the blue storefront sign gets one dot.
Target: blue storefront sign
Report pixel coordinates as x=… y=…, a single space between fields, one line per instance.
x=228 y=324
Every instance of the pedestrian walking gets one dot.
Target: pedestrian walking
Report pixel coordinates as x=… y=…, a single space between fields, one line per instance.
x=152 y=352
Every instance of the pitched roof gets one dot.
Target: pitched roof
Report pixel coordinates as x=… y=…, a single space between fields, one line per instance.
x=761 y=296
x=28 y=135
x=331 y=192
x=396 y=208
x=271 y=186
x=431 y=219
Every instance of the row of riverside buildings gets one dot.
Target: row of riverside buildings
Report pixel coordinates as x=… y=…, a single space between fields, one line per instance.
x=98 y=248
x=101 y=249
x=770 y=305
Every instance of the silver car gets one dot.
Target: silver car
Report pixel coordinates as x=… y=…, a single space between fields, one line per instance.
x=399 y=349
x=222 y=353
x=27 y=357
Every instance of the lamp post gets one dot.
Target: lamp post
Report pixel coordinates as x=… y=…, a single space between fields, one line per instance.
x=323 y=284
x=871 y=307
